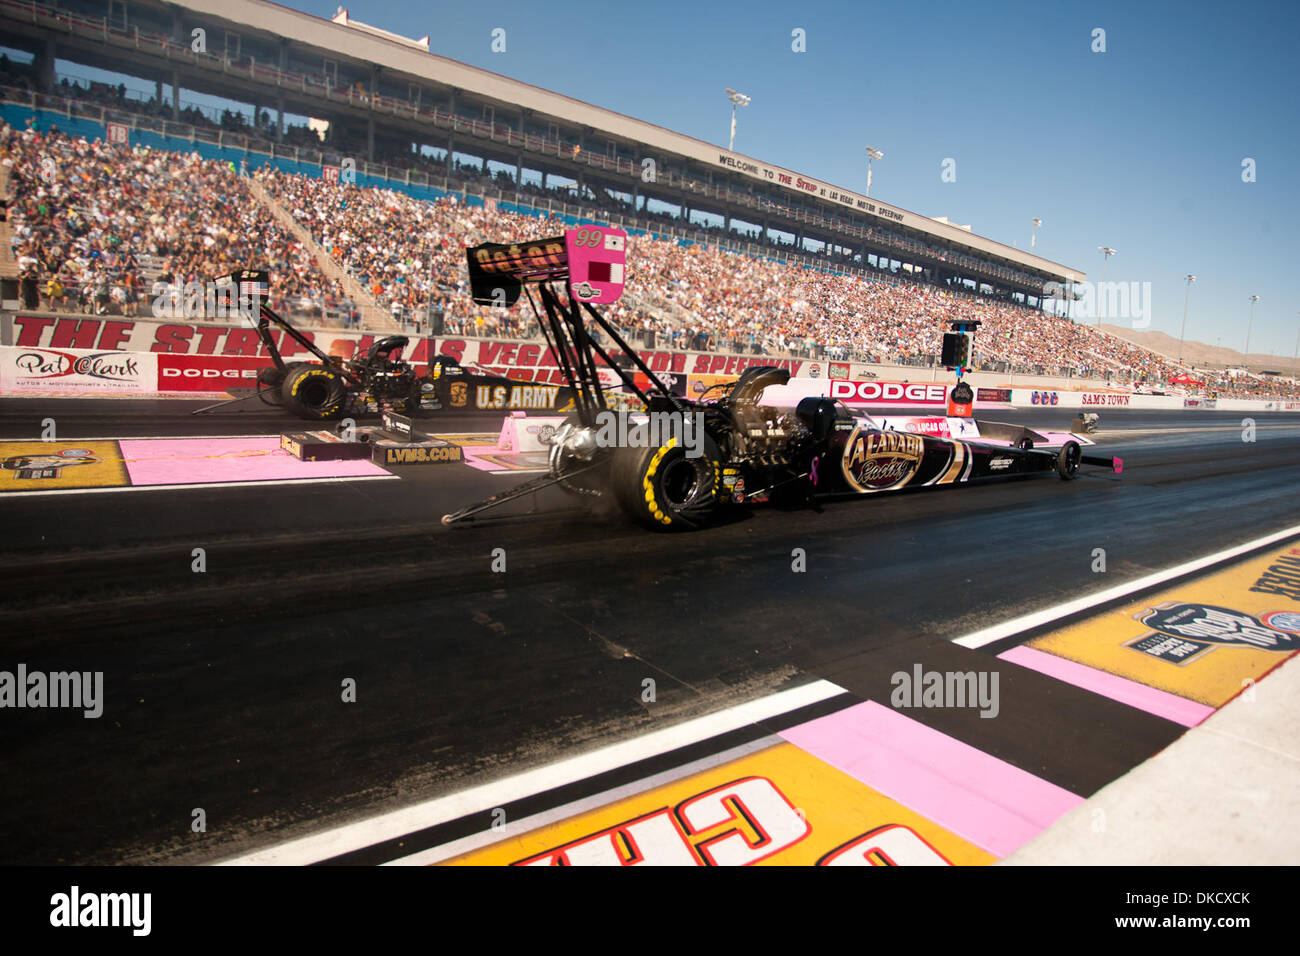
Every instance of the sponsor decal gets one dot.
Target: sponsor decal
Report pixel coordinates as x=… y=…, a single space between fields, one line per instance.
x=928 y=426
x=208 y=373
x=75 y=370
x=1044 y=398
x=688 y=835
x=814 y=370
x=838 y=371
x=31 y=467
x=398 y=424
x=993 y=395
x=459 y=397
x=1175 y=650
x=1104 y=398
x=512 y=397
x=886 y=393
x=1282 y=577
x=1000 y=464
x=545 y=433
x=421 y=454
x=878 y=461
x=1288 y=621
x=1184 y=631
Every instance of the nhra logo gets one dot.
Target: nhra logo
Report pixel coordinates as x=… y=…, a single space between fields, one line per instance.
x=1043 y=398
x=111 y=366
x=1209 y=624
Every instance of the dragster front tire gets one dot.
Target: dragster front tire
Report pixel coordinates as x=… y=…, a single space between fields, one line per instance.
x=664 y=488
x=1068 y=460
x=314 y=392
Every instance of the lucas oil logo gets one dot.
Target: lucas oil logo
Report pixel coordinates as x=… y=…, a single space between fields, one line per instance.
x=1183 y=631
x=878 y=461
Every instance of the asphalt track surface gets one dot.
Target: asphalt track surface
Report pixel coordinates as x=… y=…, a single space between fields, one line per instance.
x=222 y=689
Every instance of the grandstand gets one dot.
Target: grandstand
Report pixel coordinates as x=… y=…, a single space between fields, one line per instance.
x=114 y=199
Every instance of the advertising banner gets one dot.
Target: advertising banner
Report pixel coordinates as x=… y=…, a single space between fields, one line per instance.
x=77 y=371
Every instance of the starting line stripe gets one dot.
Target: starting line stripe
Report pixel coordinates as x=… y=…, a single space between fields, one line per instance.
x=1035 y=619
x=484 y=798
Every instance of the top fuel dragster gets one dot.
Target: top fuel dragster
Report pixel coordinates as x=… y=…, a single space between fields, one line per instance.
x=757 y=441
x=377 y=380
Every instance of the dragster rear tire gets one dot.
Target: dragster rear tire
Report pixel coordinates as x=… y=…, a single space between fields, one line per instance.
x=1068 y=460
x=664 y=488
x=314 y=392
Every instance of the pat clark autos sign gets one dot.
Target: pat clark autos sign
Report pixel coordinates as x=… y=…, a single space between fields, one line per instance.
x=77 y=370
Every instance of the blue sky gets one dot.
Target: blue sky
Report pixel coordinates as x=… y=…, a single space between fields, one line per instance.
x=1138 y=148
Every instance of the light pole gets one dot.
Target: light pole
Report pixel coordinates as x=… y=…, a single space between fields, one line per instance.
x=1106 y=253
x=872 y=153
x=1183 y=337
x=1246 y=356
x=1033 y=235
x=737 y=99
x=1295 y=360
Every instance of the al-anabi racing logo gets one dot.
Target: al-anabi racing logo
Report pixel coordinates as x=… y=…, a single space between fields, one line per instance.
x=1184 y=631
x=47 y=466
x=878 y=461
x=47 y=364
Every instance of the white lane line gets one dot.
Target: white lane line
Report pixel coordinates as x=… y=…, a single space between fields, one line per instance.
x=201 y=484
x=1025 y=622
x=482 y=799
x=516 y=828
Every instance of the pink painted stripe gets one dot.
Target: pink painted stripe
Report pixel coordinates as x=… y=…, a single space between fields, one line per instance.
x=186 y=461
x=1180 y=710
x=978 y=797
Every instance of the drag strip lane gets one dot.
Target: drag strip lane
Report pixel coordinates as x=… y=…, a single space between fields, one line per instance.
x=223 y=688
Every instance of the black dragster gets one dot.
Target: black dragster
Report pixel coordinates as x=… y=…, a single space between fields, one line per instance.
x=754 y=442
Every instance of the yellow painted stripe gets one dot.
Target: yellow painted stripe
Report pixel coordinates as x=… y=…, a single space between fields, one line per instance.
x=780 y=806
x=105 y=469
x=1211 y=677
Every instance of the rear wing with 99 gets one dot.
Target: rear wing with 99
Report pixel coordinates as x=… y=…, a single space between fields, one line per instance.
x=590 y=259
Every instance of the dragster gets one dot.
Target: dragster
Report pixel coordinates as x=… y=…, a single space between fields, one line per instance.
x=378 y=381
x=748 y=445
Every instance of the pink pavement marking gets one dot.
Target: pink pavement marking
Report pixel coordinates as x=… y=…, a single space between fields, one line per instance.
x=188 y=461
x=978 y=797
x=1180 y=710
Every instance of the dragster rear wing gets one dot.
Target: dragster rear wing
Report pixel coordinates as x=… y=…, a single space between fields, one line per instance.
x=590 y=259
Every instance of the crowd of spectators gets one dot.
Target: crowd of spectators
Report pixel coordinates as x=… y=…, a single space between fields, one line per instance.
x=410 y=255
x=107 y=229
x=104 y=229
